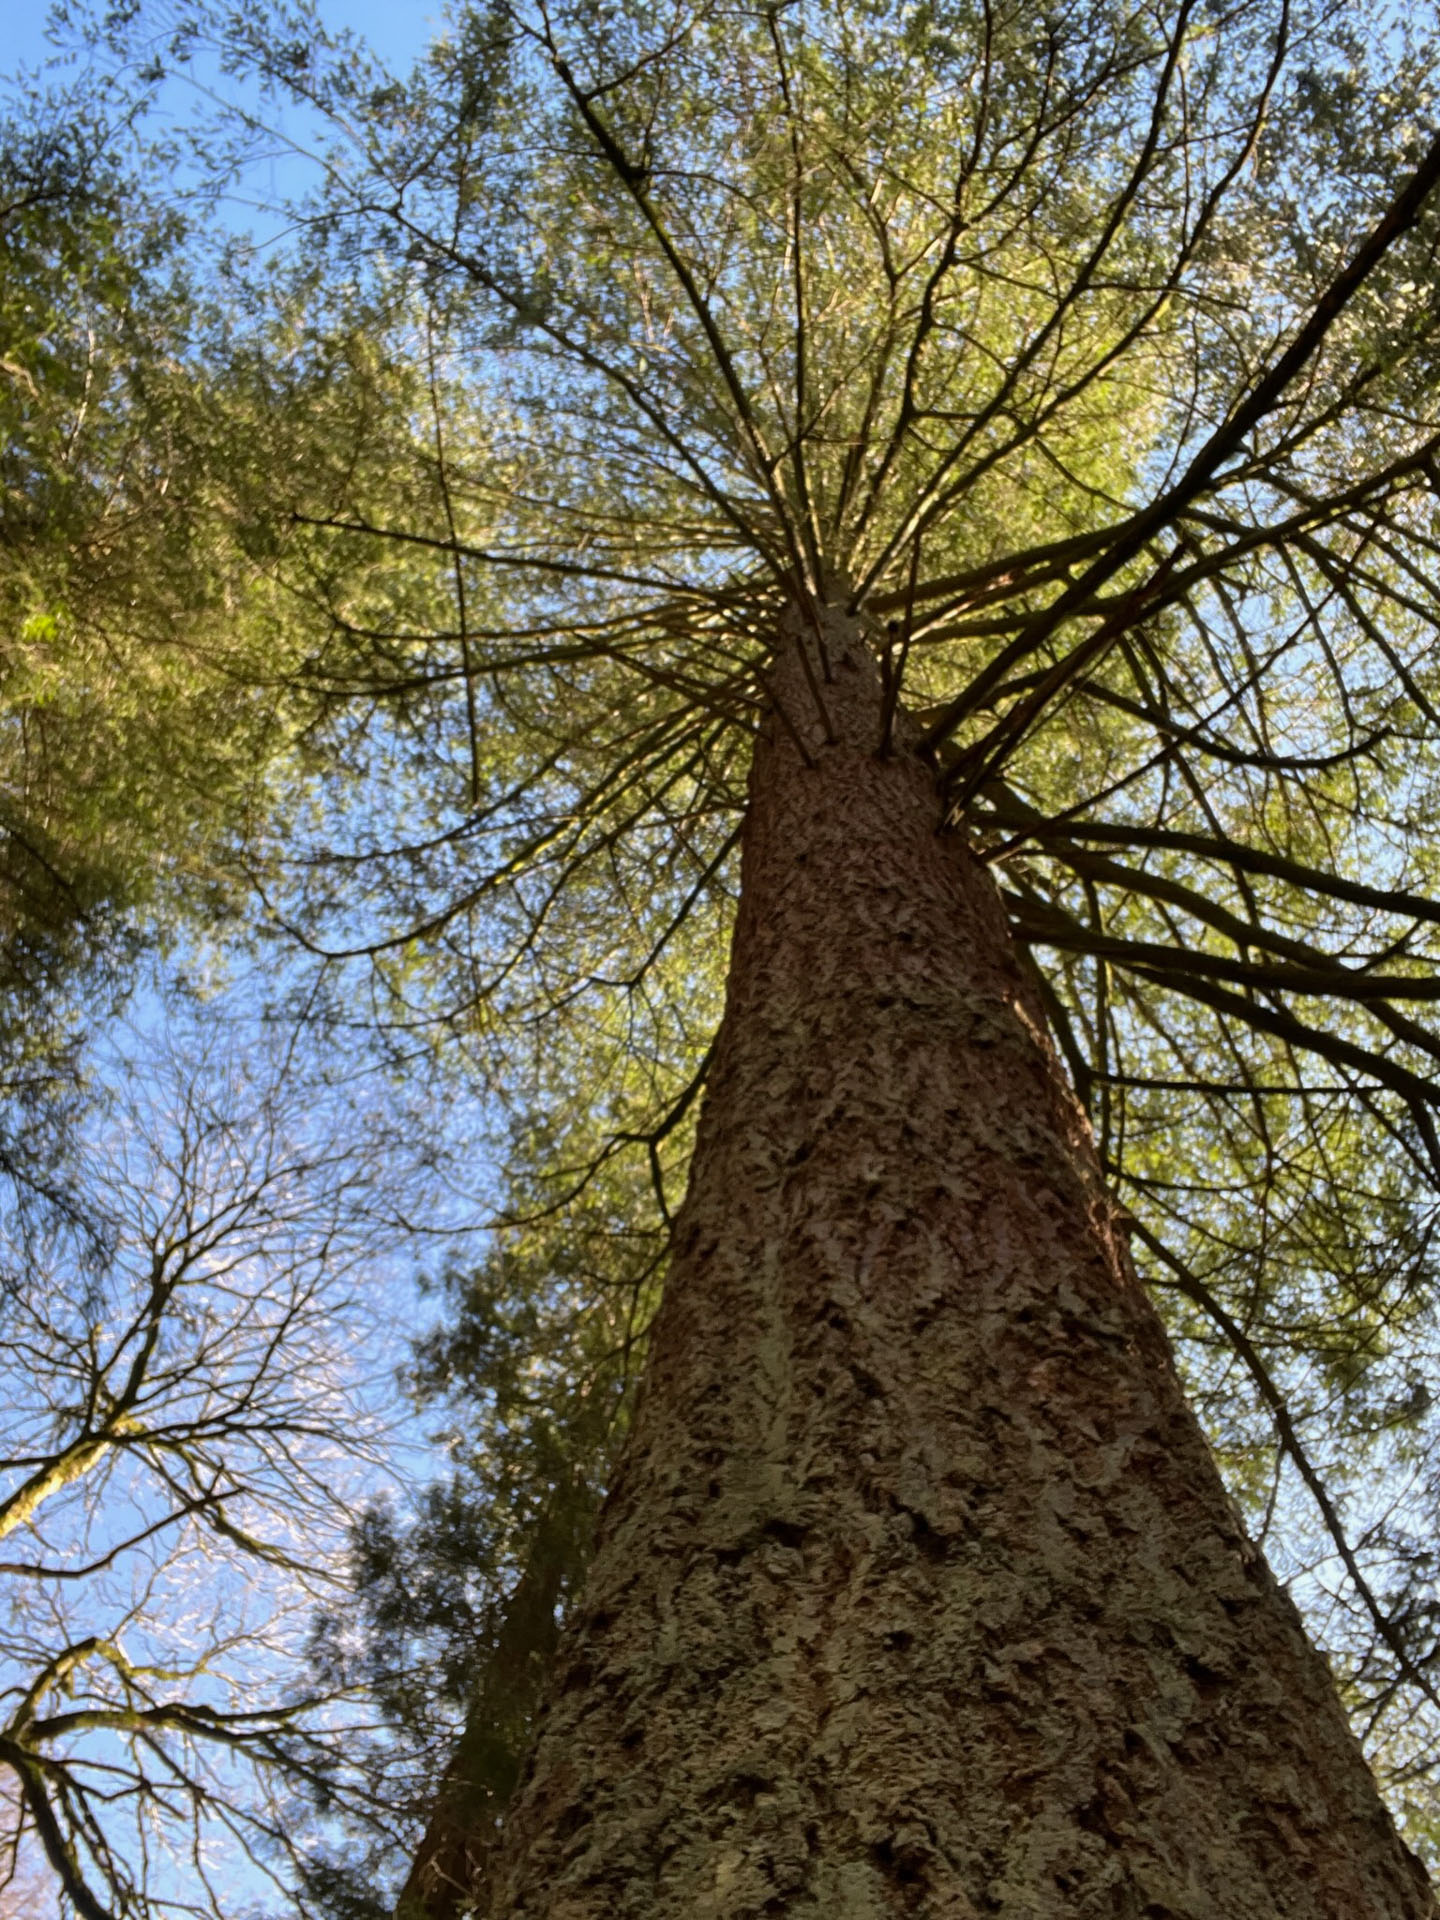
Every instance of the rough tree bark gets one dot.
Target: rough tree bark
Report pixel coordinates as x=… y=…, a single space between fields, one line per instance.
x=918 y=1592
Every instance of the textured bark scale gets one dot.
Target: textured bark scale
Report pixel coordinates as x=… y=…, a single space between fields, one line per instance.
x=918 y=1592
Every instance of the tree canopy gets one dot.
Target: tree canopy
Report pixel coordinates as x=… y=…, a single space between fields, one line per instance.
x=182 y=1211
x=1090 y=356
x=1093 y=355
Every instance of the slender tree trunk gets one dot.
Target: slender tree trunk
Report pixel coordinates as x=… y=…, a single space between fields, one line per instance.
x=918 y=1592
x=467 y=1809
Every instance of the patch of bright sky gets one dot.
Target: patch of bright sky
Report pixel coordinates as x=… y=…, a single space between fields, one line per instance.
x=398 y=31
x=34 y=46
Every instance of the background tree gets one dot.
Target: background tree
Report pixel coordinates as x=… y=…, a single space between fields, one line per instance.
x=155 y=708
x=188 y=1414
x=189 y=1425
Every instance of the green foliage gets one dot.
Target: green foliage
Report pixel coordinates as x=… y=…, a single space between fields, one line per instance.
x=162 y=425
x=100 y=574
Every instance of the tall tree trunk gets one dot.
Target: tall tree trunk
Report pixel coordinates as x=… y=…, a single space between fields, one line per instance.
x=918 y=1592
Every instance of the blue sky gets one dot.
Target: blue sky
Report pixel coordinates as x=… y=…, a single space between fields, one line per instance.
x=397 y=33
x=396 y=29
